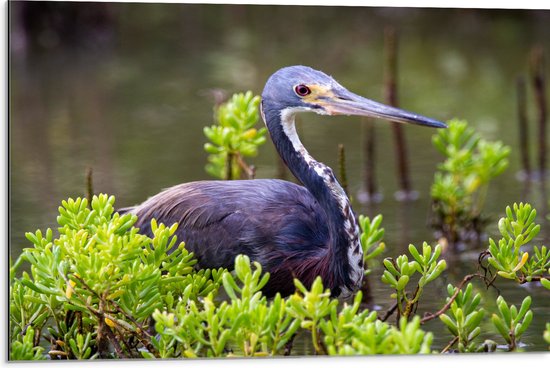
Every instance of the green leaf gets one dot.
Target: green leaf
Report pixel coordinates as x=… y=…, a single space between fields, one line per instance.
x=524 y=308
x=402 y=282
x=414 y=252
x=525 y=324
x=451 y=325
x=500 y=326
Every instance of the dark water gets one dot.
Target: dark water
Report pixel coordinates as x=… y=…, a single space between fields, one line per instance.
x=126 y=88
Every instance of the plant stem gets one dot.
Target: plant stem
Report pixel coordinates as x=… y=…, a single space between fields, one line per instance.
x=89 y=186
x=249 y=170
x=368 y=193
x=389 y=312
x=539 y=84
x=390 y=40
x=449 y=345
x=316 y=339
x=229 y=166
x=523 y=126
x=430 y=316
x=342 y=167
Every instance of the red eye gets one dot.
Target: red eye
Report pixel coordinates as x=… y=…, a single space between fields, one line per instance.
x=302 y=90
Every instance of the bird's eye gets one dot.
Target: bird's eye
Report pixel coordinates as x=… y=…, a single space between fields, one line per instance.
x=302 y=90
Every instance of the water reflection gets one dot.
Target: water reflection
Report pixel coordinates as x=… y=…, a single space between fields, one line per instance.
x=121 y=89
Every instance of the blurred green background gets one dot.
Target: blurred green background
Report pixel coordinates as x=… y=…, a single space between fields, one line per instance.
x=126 y=89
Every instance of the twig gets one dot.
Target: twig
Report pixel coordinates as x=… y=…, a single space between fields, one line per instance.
x=89 y=186
x=111 y=336
x=390 y=83
x=389 y=312
x=288 y=345
x=524 y=280
x=523 y=127
x=342 y=167
x=430 y=316
x=369 y=172
x=249 y=170
x=488 y=282
x=100 y=315
x=144 y=340
x=229 y=166
x=449 y=345
x=539 y=85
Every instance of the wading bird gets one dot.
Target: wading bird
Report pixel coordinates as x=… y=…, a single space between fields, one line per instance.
x=293 y=231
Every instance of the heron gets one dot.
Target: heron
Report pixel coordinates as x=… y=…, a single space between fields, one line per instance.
x=293 y=231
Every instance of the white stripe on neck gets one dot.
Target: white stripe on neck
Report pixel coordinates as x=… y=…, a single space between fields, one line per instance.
x=350 y=225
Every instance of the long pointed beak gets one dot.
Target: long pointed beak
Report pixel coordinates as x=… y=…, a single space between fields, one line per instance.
x=345 y=102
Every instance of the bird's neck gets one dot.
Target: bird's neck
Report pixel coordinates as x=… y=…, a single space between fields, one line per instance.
x=345 y=255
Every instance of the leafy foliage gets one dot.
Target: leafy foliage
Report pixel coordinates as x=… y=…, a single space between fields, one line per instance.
x=510 y=322
x=371 y=238
x=400 y=271
x=464 y=317
x=311 y=306
x=247 y=325
x=25 y=347
x=518 y=228
x=354 y=332
x=462 y=180
x=234 y=137
x=99 y=289
x=377 y=337
x=100 y=281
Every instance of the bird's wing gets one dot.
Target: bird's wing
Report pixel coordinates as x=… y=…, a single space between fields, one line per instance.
x=264 y=219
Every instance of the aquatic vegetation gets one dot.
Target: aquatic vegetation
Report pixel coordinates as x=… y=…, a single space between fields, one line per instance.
x=26 y=347
x=371 y=238
x=510 y=322
x=398 y=272
x=311 y=306
x=354 y=332
x=99 y=289
x=100 y=281
x=234 y=137
x=245 y=325
x=462 y=180
x=518 y=229
x=464 y=317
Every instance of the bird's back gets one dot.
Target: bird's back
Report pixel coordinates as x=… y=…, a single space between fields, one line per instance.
x=274 y=222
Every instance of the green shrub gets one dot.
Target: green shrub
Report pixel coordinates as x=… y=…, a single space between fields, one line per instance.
x=234 y=137
x=102 y=290
x=98 y=283
x=462 y=180
x=510 y=322
x=400 y=271
x=464 y=317
x=518 y=229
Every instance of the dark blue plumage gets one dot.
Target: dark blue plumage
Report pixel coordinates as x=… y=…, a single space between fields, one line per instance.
x=272 y=221
x=293 y=231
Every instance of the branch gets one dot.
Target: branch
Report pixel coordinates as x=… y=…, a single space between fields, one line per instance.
x=100 y=315
x=250 y=170
x=143 y=336
x=430 y=316
x=389 y=312
x=523 y=280
x=449 y=345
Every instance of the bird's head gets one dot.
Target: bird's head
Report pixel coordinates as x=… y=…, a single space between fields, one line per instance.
x=302 y=88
